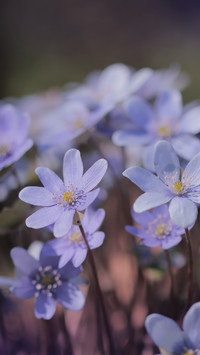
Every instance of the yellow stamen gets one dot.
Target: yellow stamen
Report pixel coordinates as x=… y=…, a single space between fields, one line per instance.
x=47 y=280
x=161 y=230
x=68 y=197
x=77 y=237
x=78 y=124
x=179 y=187
x=164 y=131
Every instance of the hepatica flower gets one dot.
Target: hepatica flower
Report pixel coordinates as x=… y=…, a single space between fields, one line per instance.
x=166 y=120
x=61 y=199
x=72 y=246
x=170 y=338
x=14 y=129
x=182 y=189
x=48 y=283
x=156 y=228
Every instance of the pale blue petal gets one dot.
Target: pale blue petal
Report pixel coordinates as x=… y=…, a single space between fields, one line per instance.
x=191 y=173
x=145 y=180
x=96 y=240
x=88 y=199
x=93 y=175
x=45 y=306
x=143 y=219
x=55 y=247
x=166 y=162
x=63 y=223
x=165 y=333
x=124 y=138
x=79 y=256
x=191 y=324
x=186 y=146
x=148 y=156
x=70 y=297
x=169 y=104
x=24 y=261
x=139 y=111
x=16 y=154
x=94 y=220
x=183 y=212
x=25 y=289
x=50 y=180
x=37 y=196
x=150 y=200
x=137 y=232
x=44 y=217
x=170 y=242
x=66 y=256
x=139 y=78
x=69 y=271
x=72 y=167
x=190 y=122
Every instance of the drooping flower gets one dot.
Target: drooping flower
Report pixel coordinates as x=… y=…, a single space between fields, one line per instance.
x=182 y=189
x=170 y=338
x=72 y=246
x=61 y=199
x=48 y=283
x=167 y=120
x=14 y=142
x=156 y=228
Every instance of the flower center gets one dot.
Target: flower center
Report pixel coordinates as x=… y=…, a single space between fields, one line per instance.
x=68 y=196
x=191 y=352
x=78 y=124
x=77 y=238
x=46 y=280
x=179 y=187
x=164 y=132
x=160 y=228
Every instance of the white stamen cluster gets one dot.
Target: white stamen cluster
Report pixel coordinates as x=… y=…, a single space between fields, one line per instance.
x=46 y=281
x=160 y=228
x=71 y=199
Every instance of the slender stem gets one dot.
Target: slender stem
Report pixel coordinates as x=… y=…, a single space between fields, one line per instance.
x=170 y=271
x=99 y=293
x=190 y=268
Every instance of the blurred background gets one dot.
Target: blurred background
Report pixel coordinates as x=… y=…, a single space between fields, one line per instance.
x=46 y=43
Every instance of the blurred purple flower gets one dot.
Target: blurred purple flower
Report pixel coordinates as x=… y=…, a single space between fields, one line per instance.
x=72 y=246
x=14 y=129
x=156 y=228
x=182 y=189
x=170 y=338
x=61 y=199
x=47 y=282
x=167 y=121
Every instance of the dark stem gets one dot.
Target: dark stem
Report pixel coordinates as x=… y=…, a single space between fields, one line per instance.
x=190 y=268
x=98 y=291
x=171 y=275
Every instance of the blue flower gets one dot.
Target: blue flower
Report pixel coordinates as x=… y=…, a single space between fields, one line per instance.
x=166 y=120
x=182 y=189
x=156 y=228
x=14 y=129
x=48 y=283
x=168 y=336
x=61 y=199
x=72 y=246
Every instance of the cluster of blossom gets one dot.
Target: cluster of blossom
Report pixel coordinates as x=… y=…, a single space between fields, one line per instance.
x=118 y=107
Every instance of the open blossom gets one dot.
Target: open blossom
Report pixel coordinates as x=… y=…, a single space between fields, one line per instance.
x=45 y=281
x=156 y=228
x=14 y=142
x=61 y=199
x=170 y=338
x=167 y=120
x=72 y=246
x=182 y=189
